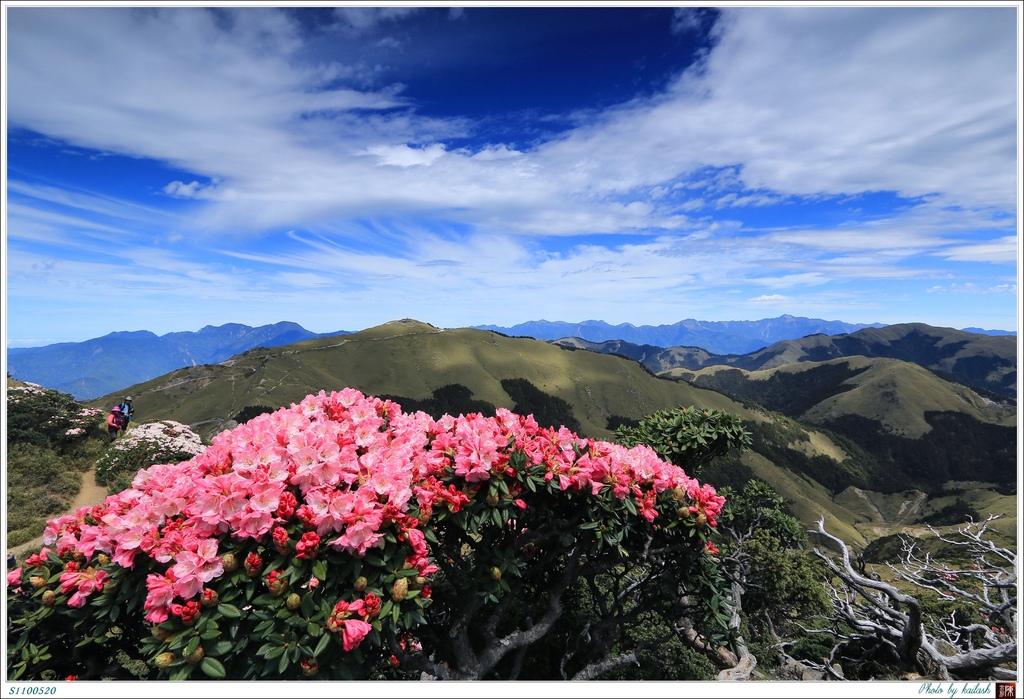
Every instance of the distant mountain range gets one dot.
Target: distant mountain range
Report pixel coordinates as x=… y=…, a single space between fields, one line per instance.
x=987 y=363
x=106 y=364
x=717 y=337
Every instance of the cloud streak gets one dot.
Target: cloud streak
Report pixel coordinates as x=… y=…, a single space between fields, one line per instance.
x=311 y=166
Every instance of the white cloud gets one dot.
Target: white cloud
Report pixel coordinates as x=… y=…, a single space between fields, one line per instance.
x=796 y=101
x=404 y=156
x=185 y=191
x=1002 y=251
x=973 y=289
x=791 y=102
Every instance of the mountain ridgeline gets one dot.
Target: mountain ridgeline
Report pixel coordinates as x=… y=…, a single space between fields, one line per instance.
x=803 y=447
x=984 y=362
x=109 y=363
x=719 y=337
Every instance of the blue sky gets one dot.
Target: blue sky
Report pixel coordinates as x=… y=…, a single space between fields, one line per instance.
x=169 y=168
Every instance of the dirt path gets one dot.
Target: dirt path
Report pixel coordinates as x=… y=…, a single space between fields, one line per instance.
x=91 y=493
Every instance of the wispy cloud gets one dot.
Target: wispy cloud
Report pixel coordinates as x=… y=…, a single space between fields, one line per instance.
x=309 y=169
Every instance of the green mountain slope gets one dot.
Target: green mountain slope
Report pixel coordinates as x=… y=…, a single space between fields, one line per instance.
x=910 y=420
x=985 y=362
x=413 y=359
x=408 y=358
x=895 y=393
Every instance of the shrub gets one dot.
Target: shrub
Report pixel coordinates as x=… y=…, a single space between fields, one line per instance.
x=691 y=436
x=143 y=446
x=48 y=418
x=51 y=440
x=341 y=538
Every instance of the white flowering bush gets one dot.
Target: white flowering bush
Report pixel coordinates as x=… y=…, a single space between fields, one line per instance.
x=163 y=442
x=48 y=418
x=51 y=440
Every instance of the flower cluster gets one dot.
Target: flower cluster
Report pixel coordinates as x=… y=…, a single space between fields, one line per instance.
x=144 y=445
x=169 y=436
x=339 y=473
x=15 y=394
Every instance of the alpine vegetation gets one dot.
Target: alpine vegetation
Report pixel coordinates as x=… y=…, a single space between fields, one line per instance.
x=341 y=538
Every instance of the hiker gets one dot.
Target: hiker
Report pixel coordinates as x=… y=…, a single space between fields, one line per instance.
x=114 y=422
x=127 y=411
x=12 y=561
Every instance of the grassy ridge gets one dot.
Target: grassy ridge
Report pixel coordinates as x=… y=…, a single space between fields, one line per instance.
x=408 y=358
x=412 y=359
x=892 y=392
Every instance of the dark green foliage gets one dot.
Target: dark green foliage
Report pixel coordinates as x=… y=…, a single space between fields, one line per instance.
x=452 y=399
x=250 y=411
x=617 y=421
x=763 y=545
x=975 y=372
x=958 y=513
x=790 y=393
x=888 y=549
x=547 y=410
x=688 y=437
x=660 y=658
x=958 y=447
x=774 y=439
x=728 y=471
x=44 y=417
x=51 y=441
x=813 y=647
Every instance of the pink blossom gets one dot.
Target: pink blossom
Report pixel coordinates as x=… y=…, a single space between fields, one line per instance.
x=353 y=632
x=14 y=579
x=351 y=470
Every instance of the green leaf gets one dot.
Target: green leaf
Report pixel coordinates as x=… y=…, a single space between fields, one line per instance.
x=192 y=645
x=181 y=673
x=219 y=648
x=212 y=667
x=314 y=630
x=283 y=663
x=229 y=610
x=321 y=646
x=319 y=570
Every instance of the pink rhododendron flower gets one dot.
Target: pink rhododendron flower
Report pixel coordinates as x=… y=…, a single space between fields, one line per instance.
x=348 y=471
x=14 y=579
x=353 y=632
